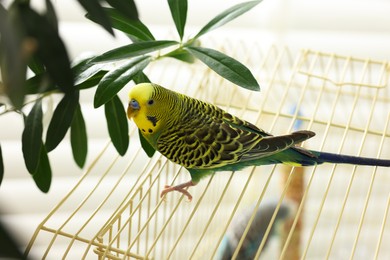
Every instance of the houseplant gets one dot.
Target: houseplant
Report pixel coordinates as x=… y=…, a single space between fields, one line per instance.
x=30 y=42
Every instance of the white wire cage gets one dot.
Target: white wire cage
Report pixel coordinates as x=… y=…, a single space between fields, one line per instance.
x=115 y=210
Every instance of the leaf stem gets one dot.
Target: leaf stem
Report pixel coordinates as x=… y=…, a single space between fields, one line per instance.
x=14 y=109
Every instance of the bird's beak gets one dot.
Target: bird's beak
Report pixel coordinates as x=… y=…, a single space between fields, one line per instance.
x=130 y=112
x=132 y=108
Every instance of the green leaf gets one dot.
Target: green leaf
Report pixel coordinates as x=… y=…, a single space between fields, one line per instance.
x=42 y=175
x=51 y=14
x=179 y=14
x=12 y=60
x=78 y=138
x=36 y=65
x=135 y=29
x=182 y=55
x=133 y=50
x=140 y=77
x=226 y=66
x=50 y=49
x=87 y=74
x=117 y=124
x=32 y=137
x=1 y=166
x=127 y=8
x=92 y=81
x=82 y=63
x=61 y=120
x=85 y=70
x=116 y=79
x=227 y=16
x=96 y=13
x=149 y=150
x=39 y=83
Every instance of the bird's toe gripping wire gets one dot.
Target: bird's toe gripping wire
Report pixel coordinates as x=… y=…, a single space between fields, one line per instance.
x=182 y=188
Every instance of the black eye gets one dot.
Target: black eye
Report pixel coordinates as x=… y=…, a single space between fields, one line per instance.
x=151 y=101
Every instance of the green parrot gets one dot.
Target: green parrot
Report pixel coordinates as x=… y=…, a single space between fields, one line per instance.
x=205 y=139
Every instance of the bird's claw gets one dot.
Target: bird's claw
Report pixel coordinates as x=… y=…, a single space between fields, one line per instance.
x=179 y=188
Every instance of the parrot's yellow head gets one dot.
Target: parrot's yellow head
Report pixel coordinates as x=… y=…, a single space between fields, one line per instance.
x=149 y=107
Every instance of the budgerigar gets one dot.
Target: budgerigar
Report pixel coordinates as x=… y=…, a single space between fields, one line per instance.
x=205 y=139
x=257 y=230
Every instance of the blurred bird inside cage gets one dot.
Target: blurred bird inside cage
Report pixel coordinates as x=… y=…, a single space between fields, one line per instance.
x=254 y=236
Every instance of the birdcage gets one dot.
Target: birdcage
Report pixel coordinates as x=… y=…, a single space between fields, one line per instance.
x=341 y=211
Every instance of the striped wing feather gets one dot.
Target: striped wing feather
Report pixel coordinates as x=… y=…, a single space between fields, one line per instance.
x=207 y=137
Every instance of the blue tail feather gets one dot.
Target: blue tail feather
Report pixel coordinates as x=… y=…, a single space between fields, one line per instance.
x=348 y=159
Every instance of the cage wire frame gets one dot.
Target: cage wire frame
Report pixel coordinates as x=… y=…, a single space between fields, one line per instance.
x=342 y=211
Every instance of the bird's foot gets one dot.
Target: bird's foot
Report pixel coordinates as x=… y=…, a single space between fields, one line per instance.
x=180 y=188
